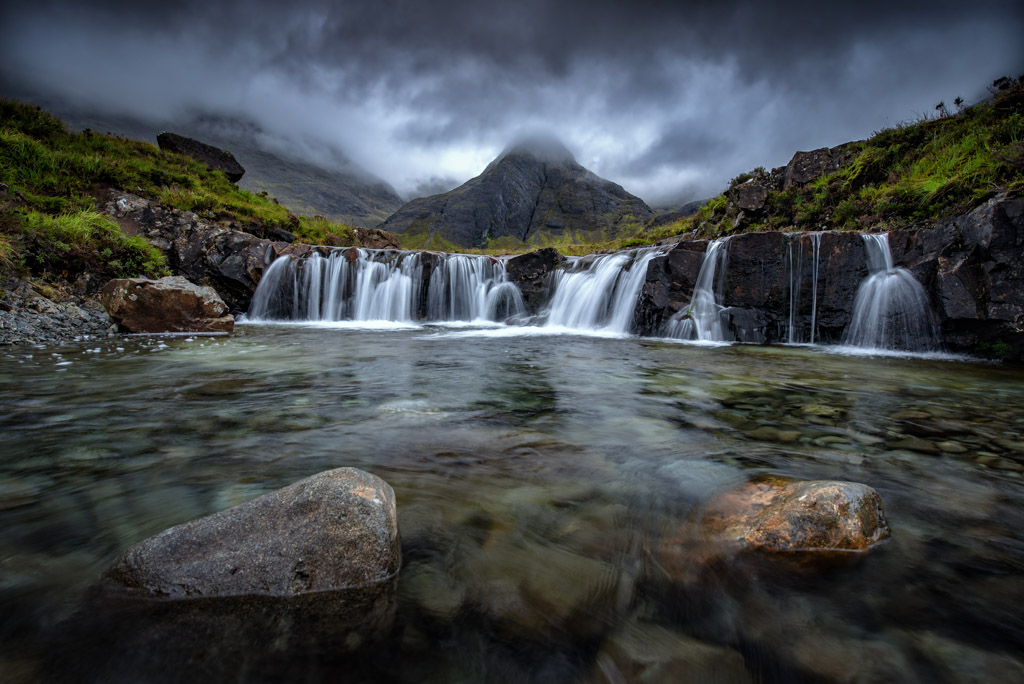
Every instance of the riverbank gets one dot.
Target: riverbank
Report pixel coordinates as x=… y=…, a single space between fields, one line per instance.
x=33 y=313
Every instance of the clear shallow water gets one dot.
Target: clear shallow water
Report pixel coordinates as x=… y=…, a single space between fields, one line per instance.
x=539 y=479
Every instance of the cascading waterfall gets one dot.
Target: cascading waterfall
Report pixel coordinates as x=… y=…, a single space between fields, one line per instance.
x=470 y=288
x=599 y=294
x=384 y=285
x=891 y=309
x=702 y=319
x=796 y=274
x=375 y=285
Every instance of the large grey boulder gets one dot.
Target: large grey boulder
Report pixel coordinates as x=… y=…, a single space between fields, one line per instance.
x=333 y=531
x=171 y=304
x=301 y=577
x=215 y=158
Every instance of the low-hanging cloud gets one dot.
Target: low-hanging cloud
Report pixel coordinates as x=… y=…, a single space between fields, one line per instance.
x=669 y=99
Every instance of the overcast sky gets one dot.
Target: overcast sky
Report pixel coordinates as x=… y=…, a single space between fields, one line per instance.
x=668 y=99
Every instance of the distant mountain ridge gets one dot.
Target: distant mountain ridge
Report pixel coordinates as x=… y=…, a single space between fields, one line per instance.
x=353 y=198
x=532 y=193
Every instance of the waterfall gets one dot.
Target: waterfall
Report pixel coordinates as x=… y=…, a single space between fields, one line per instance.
x=891 y=309
x=472 y=288
x=599 y=294
x=384 y=285
x=702 y=319
x=796 y=276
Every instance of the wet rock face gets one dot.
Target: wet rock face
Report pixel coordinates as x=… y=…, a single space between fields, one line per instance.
x=333 y=531
x=531 y=273
x=215 y=158
x=774 y=515
x=170 y=304
x=971 y=267
x=669 y=284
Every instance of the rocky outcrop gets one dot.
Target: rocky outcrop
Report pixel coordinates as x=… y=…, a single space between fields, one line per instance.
x=970 y=266
x=805 y=167
x=215 y=158
x=750 y=196
x=230 y=258
x=170 y=304
x=531 y=192
x=531 y=272
x=375 y=238
x=332 y=531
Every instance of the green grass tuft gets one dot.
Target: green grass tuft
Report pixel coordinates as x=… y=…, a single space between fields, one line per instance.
x=83 y=241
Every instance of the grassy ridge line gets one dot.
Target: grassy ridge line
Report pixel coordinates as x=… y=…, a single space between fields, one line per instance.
x=904 y=175
x=48 y=223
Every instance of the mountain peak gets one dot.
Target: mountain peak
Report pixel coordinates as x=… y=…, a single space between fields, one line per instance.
x=543 y=146
x=534 y=192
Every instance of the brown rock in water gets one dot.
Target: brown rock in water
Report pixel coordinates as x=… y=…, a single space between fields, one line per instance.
x=775 y=515
x=333 y=531
x=215 y=158
x=795 y=526
x=171 y=304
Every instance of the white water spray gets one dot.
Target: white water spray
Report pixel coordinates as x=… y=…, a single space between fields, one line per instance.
x=472 y=288
x=891 y=309
x=600 y=294
x=702 y=319
x=384 y=285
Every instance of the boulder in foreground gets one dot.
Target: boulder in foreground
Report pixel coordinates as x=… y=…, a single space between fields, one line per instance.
x=336 y=530
x=773 y=523
x=776 y=515
x=171 y=304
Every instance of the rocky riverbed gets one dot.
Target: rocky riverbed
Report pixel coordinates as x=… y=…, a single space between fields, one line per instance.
x=35 y=313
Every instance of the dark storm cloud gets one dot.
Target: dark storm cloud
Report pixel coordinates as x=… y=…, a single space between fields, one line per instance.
x=657 y=96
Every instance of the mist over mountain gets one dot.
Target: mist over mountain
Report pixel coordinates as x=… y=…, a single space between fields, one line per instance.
x=308 y=178
x=534 y=192
x=668 y=99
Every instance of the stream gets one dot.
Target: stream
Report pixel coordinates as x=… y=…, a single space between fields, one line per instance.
x=539 y=476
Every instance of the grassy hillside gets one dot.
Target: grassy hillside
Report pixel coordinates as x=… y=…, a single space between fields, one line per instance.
x=900 y=176
x=51 y=177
